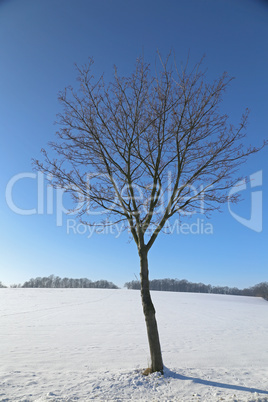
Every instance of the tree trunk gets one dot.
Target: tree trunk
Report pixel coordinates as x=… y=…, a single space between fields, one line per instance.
x=149 y=313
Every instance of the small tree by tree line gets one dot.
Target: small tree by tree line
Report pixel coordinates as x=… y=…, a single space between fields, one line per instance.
x=176 y=285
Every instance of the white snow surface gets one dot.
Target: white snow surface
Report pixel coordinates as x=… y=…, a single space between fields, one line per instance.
x=91 y=344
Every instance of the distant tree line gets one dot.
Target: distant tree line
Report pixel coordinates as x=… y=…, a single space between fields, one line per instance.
x=168 y=285
x=176 y=285
x=57 y=282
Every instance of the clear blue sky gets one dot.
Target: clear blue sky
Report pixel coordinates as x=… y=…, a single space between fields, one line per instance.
x=39 y=43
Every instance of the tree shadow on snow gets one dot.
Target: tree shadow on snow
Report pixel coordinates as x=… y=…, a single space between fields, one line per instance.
x=173 y=374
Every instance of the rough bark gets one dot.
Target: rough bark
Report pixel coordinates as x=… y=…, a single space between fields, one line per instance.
x=149 y=313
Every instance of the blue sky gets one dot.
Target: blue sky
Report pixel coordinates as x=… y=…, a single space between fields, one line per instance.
x=40 y=41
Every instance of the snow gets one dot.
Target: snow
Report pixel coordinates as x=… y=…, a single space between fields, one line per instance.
x=91 y=344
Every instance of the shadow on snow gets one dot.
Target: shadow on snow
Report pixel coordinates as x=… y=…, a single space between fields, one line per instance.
x=173 y=374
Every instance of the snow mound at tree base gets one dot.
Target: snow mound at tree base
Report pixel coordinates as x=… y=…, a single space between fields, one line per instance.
x=186 y=385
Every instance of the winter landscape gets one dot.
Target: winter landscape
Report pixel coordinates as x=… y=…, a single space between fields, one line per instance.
x=125 y=128
x=91 y=344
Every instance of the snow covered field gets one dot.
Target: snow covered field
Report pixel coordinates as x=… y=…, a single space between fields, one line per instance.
x=91 y=344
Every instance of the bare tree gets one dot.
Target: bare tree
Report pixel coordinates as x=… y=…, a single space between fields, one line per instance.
x=143 y=148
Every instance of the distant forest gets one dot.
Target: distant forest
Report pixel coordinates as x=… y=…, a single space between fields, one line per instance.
x=176 y=285
x=167 y=285
x=57 y=282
